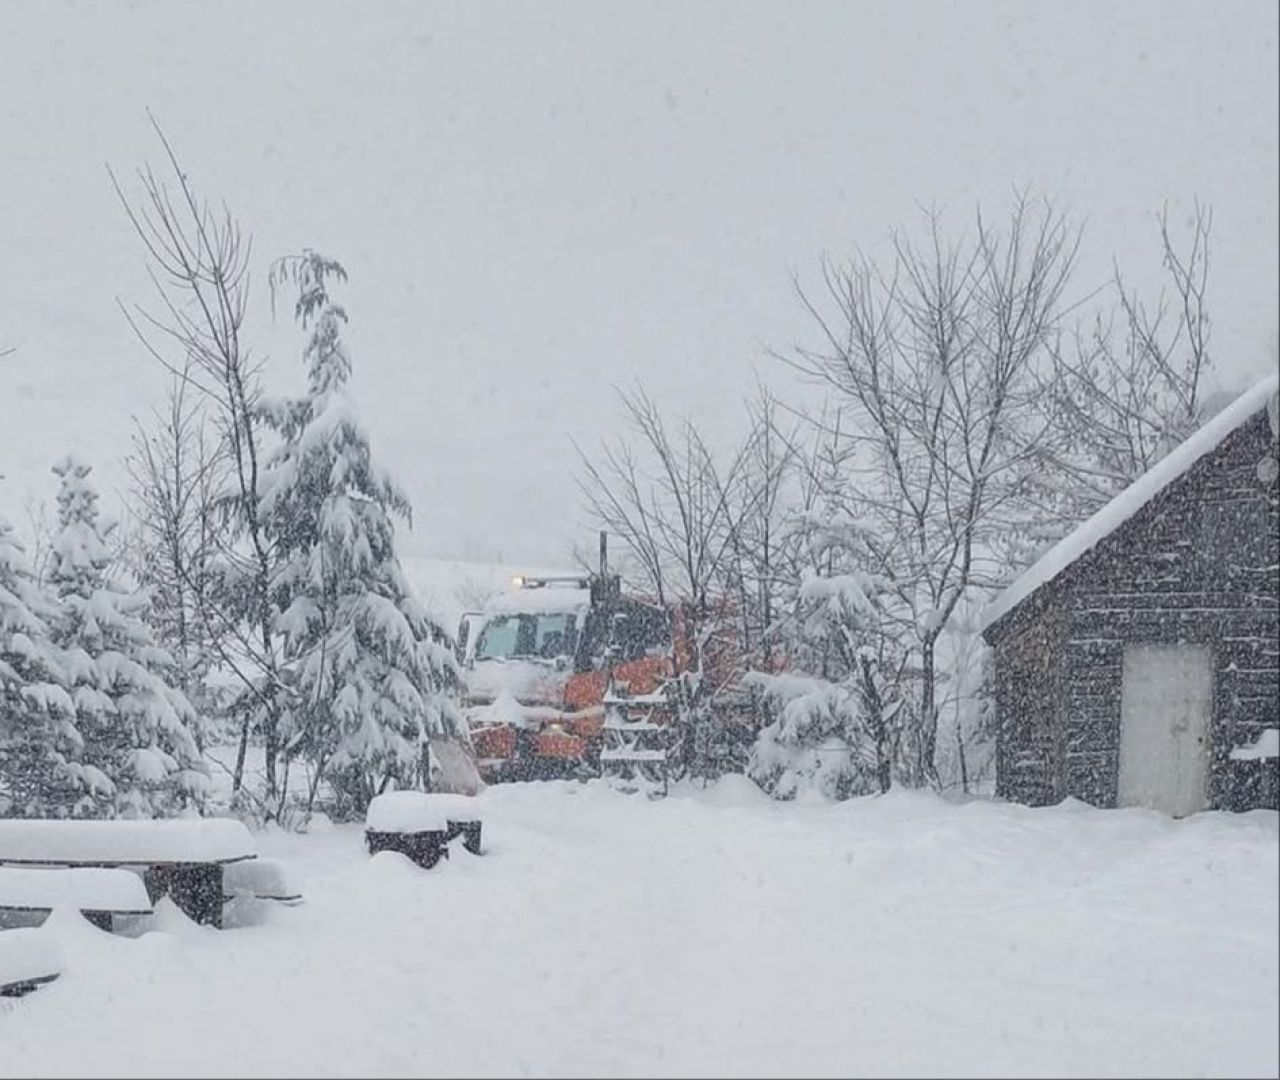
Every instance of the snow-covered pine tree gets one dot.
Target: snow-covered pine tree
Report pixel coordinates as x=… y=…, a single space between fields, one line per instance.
x=837 y=710
x=40 y=771
x=816 y=745
x=372 y=674
x=136 y=727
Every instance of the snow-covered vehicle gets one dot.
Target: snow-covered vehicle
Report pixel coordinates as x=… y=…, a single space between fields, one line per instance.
x=536 y=665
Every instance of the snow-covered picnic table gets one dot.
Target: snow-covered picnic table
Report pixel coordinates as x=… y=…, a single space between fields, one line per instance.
x=71 y=842
x=100 y=893
x=420 y=824
x=28 y=957
x=182 y=857
x=260 y=879
x=419 y=811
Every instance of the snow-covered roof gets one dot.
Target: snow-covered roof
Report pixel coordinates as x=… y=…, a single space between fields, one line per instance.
x=450 y=587
x=551 y=599
x=139 y=843
x=1120 y=509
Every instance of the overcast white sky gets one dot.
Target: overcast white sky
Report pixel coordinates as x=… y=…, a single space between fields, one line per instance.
x=538 y=202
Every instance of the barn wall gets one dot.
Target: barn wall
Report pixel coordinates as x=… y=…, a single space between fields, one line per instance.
x=1199 y=564
x=1028 y=693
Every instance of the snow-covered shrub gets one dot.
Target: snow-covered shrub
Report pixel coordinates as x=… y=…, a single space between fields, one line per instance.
x=818 y=745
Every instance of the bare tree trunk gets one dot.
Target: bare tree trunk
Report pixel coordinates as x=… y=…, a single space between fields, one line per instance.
x=237 y=777
x=879 y=726
x=200 y=268
x=928 y=712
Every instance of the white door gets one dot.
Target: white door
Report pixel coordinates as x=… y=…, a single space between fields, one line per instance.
x=1166 y=704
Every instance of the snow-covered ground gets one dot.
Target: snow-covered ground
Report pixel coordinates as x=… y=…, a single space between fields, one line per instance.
x=713 y=932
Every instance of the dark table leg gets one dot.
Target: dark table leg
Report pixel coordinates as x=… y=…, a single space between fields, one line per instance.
x=100 y=919
x=195 y=887
x=424 y=848
x=470 y=833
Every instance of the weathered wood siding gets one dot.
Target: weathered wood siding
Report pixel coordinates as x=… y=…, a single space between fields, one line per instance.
x=1198 y=564
x=1028 y=706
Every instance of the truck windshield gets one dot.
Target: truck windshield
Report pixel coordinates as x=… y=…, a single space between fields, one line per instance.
x=506 y=637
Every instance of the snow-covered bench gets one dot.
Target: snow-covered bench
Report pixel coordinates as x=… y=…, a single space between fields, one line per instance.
x=260 y=879
x=29 y=958
x=183 y=858
x=420 y=824
x=98 y=893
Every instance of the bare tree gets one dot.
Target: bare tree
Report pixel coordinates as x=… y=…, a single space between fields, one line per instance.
x=199 y=266
x=177 y=471
x=40 y=523
x=758 y=537
x=1128 y=387
x=834 y=621
x=935 y=362
x=677 y=509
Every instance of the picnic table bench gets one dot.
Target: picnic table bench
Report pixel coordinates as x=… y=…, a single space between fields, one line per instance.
x=29 y=957
x=260 y=879
x=98 y=893
x=182 y=858
x=420 y=824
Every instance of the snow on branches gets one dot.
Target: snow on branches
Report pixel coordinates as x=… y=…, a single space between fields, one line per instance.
x=139 y=758
x=371 y=674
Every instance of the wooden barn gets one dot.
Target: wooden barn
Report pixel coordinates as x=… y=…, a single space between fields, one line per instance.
x=1138 y=662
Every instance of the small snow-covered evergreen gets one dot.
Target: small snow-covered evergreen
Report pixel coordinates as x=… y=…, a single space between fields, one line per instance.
x=835 y=729
x=40 y=770
x=139 y=756
x=816 y=745
x=372 y=675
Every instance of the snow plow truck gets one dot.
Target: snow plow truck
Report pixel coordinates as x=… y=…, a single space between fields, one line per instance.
x=537 y=663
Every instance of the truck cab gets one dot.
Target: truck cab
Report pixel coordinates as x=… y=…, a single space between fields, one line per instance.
x=536 y=663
